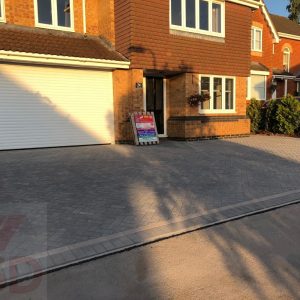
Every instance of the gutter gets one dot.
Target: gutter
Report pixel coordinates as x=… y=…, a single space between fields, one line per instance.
x=45 y=59
x=271 y=24
x=289 y=36
x=254 y=72
x=249 y=3
x=284 y=77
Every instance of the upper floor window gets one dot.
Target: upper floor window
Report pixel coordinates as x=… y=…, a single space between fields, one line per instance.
x=199 y=16
x=222 y=94
x=256 y=39
x=54 y=14
x=286 y=59
x=2 y=14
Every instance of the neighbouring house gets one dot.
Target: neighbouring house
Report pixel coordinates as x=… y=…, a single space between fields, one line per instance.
x=275 y=56
x=72 y=70
x=287 y=57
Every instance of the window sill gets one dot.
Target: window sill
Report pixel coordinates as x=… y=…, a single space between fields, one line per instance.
x=197 y=34
x=218 y=112
x=256 y=53
x=58 y=28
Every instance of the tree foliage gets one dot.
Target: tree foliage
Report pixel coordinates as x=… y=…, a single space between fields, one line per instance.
x=294 y=10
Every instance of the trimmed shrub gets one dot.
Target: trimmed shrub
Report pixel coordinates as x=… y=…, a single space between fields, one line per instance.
x=255 y=112
x=283 y=116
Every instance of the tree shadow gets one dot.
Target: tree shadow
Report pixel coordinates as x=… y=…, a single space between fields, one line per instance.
x=93 y=192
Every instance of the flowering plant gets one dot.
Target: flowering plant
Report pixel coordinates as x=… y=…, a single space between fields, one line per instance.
x=196 y=99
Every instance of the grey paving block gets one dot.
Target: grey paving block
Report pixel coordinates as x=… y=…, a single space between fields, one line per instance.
x=72 y=195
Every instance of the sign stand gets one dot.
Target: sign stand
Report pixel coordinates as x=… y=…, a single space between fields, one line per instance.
x=144 y=128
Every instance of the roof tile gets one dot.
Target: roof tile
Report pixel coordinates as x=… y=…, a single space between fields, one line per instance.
x=52 y=42
x=284 y=25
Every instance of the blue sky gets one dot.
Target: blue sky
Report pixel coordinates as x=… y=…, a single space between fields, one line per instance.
x=277 y=7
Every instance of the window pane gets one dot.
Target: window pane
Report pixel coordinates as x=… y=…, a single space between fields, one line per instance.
x=203 y=15
x=217 y=93
x=176 y=12
x=205 y=88
x=216 y=18
x=44 y=12
x=252 y=39
x=258 y=87
x=190 y=13
x=63 y=13
x=229 y=94
x=258 y=40
x=286 y=61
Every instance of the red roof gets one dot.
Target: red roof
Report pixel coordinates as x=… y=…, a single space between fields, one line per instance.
x=53 y=42
x=285 y=25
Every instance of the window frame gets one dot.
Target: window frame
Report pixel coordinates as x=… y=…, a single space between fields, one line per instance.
x=54 y=24
x=249 y=85
x=209 y=32
x=2 y=11
x=253 y=43
x=211 y=93
x=287 y=51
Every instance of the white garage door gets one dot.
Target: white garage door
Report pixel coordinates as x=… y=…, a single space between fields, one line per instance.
x=50 y=107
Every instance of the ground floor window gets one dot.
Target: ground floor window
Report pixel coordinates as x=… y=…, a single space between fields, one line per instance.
x=2 y=10
x=222 y=94
x=298 y=88
x=257 y=87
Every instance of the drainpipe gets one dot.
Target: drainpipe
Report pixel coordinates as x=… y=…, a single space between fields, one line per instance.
x=285 y=87
x=84 y=15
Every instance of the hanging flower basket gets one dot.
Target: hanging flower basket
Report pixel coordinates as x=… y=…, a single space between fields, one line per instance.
x=196 y=99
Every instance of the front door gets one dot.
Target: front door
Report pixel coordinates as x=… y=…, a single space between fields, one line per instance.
x=155 y=101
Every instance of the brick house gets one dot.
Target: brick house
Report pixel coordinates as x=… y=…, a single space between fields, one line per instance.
x=275 y=56
x=178 y=48
x=72 y=70
x=57 y=60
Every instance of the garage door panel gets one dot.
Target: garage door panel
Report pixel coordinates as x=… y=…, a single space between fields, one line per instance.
x=48 y=107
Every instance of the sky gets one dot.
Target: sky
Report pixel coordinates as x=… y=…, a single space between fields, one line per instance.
x=277 y=7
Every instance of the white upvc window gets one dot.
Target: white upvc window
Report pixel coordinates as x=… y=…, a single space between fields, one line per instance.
x=256 y=39
x=257 y=87
x=54 y=14
x=2 y=11
x=198 y=16
x=222 y=92
x=286 y=59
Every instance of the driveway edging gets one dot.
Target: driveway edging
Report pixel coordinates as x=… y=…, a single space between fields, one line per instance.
x=93 y=249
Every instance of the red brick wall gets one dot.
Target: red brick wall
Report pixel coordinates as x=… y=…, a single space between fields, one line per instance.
x=180 y=125
x=266 y=57
x=123 y=25
x=185 y=85
x=294 y=46
x=127 y=99
x=275 y=61
x=99 y=16
x=148 y=29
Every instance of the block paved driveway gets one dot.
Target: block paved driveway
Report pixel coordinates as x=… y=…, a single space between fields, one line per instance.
x=105 y=197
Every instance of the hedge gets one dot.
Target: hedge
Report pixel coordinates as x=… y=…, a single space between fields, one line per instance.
x=276 y=116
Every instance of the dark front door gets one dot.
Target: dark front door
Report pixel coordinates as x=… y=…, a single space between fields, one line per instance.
x=155 y=101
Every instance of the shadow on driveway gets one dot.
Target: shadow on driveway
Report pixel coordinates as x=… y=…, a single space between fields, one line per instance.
x=92 y=192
